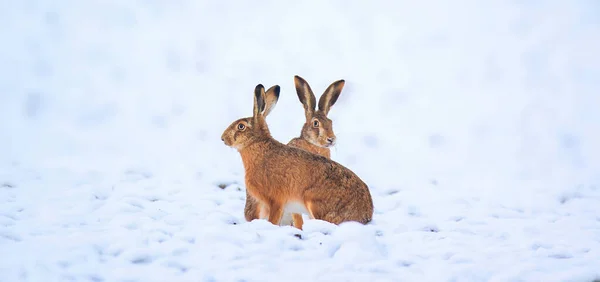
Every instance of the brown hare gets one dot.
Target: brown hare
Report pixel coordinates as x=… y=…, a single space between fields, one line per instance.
x=316 y=136
x=317 y=132
x=281 y=177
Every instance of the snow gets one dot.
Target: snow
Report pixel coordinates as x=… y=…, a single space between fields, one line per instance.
x=475 y=125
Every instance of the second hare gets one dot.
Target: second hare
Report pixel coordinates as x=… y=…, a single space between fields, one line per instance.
x=317 y=132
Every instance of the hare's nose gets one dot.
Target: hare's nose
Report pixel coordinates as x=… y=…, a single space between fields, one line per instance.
x=331 y=140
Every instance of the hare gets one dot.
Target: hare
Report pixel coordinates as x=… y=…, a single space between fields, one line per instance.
x=316 y=136
x=281 y=177
x=317 y=133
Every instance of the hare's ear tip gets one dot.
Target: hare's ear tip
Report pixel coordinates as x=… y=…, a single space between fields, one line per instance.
x=259 y=88
x=340 y=83
x=277 y=89
x=298 y=78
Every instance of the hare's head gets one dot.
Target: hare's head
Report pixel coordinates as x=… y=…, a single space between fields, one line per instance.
x=318 y=128
x=246 y=131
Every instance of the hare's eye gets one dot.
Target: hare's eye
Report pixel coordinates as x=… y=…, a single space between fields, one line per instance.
x=315 y=123
x=241 y=126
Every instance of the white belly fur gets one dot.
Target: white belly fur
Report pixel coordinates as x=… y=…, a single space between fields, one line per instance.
x=289 y=209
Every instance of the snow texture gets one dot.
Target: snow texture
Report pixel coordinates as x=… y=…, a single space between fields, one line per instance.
x=476 y=125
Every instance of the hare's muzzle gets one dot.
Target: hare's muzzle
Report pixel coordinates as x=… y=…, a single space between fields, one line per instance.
x=223 y=139
x=330 y=141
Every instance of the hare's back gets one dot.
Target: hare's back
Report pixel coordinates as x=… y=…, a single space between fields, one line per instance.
x=298 y=155
x=322 y=171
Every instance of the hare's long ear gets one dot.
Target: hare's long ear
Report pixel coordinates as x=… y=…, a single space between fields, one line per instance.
x=331 y=95
x=259 y=101
x=306 y=96
x=271 y=97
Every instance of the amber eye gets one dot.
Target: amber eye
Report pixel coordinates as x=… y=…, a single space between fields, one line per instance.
x=315 y=123
x=241 y=126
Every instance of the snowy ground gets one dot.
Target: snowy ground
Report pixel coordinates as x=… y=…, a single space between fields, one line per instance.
x=475 y=124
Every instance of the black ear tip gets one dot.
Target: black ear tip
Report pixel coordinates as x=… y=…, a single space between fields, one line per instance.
x=277 y=89
x=299 y=79
x=258 y=90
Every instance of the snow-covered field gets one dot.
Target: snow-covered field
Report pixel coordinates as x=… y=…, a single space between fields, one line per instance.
x=476 y=125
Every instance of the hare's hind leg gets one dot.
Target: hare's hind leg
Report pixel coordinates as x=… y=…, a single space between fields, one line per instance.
x=323 y=210
x=298 y=221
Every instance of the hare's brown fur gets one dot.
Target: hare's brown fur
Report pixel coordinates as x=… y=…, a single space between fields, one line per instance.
x=301 y=143
x=315 y=139
x=277 y=174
